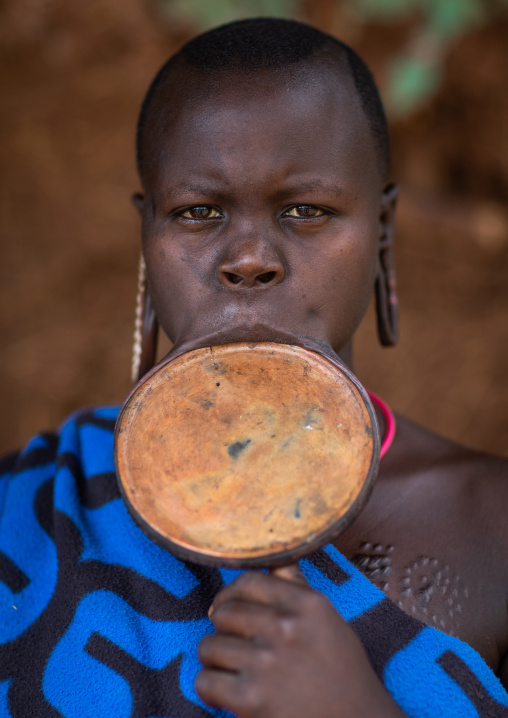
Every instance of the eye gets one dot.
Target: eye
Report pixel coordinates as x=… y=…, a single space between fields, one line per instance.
x=201 y=212
x=305 y=211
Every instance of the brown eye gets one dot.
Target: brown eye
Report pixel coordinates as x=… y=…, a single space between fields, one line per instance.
x=305 y=211
x=201 y=212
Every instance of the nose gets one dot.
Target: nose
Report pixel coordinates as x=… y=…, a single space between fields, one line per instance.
x=251 y=264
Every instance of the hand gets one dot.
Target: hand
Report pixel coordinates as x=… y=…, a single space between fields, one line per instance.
x=281 y=650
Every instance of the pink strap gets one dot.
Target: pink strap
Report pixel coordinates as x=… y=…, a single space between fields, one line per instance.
x=390 y=423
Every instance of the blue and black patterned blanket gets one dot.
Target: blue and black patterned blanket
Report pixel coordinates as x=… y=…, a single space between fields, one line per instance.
x=96 y=620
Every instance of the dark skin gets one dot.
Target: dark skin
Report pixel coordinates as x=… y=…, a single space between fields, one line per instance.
x=261 y=224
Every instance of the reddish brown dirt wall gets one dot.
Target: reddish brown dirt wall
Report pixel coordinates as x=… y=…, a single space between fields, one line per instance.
x=73 y=76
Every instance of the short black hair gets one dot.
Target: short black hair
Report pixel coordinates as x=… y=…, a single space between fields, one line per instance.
x=270 y=43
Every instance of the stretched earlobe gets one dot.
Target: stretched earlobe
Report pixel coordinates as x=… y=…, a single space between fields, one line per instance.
x=145 y=328
x=387 y=303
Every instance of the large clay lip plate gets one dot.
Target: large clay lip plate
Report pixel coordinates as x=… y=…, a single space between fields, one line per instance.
x=250 y=461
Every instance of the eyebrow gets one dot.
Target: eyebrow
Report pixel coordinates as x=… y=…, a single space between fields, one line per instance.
x=212 y=188
x=191 y=189
x=311 y=186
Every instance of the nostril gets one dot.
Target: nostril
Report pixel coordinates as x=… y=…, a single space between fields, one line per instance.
x=249 y=279
x=233 y=278
x=266 y=277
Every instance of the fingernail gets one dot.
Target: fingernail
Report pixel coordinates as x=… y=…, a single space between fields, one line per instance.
x=289 y=573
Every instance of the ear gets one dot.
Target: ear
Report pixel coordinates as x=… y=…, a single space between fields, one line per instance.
x=387 y=304
x=137 y=200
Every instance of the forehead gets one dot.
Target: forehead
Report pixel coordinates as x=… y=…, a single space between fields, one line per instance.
x=296 y=118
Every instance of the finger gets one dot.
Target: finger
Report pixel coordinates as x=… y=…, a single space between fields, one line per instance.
x=289 y=573
x=260 y=588
x=245 y=620
x=227 y=653
x=219 y=689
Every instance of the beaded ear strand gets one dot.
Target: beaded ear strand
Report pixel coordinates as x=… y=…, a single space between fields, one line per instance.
x=391 y=424
x=138 y=321
x=144 y=347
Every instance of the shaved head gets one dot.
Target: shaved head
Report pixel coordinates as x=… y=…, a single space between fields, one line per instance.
x=259 y=46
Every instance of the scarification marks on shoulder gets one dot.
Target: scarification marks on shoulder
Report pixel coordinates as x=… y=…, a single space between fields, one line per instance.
x=375 y=562
x=430 y=590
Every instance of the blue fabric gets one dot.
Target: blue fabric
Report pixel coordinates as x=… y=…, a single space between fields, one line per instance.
x=96 y=620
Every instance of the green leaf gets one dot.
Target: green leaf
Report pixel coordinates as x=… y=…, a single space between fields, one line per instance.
x=453 y=17
x=384 y=10
x=204 y=14
x=410 y=83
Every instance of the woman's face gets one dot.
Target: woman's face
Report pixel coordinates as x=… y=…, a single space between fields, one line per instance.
x=262 y=207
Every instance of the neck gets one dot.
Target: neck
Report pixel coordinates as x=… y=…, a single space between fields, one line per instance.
x=346 y=355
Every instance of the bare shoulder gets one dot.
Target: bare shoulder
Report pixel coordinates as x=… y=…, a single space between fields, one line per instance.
x=432 y=483
x=465 y=491
x=422 y=455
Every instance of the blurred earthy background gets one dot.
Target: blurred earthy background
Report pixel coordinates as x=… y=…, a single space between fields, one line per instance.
x=73 y=74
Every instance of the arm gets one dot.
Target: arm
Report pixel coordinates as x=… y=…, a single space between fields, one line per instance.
x=281 y=650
